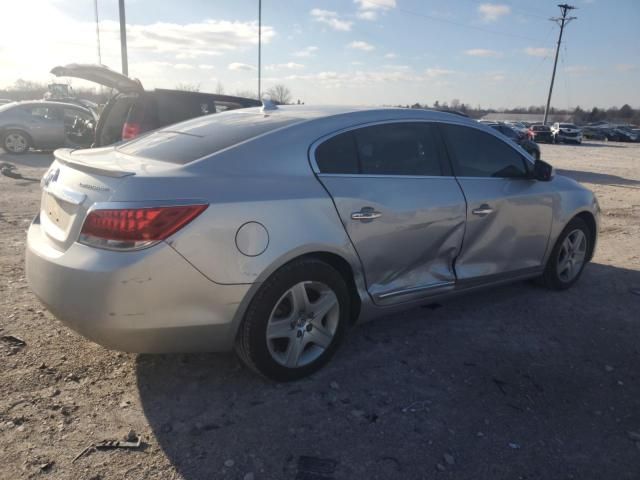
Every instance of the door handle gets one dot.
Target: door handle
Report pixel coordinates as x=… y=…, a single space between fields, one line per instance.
x=483 y=210
x=366 y=213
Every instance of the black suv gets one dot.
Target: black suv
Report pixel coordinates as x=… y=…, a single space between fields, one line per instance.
x=133 y=110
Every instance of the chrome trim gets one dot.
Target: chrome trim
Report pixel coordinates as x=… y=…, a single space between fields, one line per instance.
x=365 y=215
x=66 y=195
x=482 y=211
x=407 y=291
x=370 y=175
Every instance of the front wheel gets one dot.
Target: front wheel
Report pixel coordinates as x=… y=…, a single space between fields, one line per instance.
x=295 y=322
x=569 y=256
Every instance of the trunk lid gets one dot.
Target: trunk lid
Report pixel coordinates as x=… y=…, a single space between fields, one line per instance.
x=99 y=74
x=78 y=179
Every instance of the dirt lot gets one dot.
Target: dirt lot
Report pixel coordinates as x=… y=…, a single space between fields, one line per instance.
x=515 y=383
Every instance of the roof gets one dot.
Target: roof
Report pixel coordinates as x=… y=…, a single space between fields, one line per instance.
x=313 y=112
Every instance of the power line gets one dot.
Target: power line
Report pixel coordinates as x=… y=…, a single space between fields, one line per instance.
x=562 y=21
x=95 y=7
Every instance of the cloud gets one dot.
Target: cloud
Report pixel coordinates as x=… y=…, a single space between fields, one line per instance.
x=369 y=9
x=206 y=66
x=236 y=66
x=183 y=66
x=578 y=69
x=538 y=51
x=283 y=66
x=397 y=67
x=482 y=52
x=306 y=52
x=490 y=12
x=390 y=55
x=331 y=18
x=360 y=45
x=625 y=67
x=437 y=72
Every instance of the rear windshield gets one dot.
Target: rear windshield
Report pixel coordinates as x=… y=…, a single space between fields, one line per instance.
x=540 y=128
x=185 y=142
x=567 y=125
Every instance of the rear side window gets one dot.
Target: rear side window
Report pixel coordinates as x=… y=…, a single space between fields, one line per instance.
x=200 y=137
x=387 y=149
x=338 y=155
x=478 y=154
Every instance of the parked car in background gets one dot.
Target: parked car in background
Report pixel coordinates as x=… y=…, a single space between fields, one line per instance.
x=566 y=133
x=541 y=133
x=626 y=134
x=519 y=137
x=45 y=125
x=594 y=133
x=273 y=230
x=133 y=110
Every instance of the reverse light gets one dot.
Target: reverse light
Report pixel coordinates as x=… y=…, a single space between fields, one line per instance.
x=130 y=130
x=135 y=228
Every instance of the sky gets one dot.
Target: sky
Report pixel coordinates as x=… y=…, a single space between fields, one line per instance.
x=376 y=52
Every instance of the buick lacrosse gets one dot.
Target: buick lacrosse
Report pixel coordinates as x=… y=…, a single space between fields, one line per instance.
x=272 y=230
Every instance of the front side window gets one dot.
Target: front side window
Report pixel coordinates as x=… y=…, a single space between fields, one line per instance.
x=386 y=149
x=478 y=154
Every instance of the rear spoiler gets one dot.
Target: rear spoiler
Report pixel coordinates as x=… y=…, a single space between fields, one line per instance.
x=63 y=155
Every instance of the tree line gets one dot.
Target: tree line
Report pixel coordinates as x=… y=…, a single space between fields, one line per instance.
x=624 y=114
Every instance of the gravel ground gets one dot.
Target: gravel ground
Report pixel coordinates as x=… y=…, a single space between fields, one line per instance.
x=515 y=383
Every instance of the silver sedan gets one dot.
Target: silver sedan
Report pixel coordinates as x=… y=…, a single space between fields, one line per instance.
x=273 y=230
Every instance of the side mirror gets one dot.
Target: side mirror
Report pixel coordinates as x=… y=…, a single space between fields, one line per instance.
x=542 y=171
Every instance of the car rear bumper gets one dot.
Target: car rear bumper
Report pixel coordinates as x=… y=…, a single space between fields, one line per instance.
x=150 y=301
x=564 y=137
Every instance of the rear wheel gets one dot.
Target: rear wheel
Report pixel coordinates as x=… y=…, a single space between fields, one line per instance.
x=569 y=256
x=295 y=322
x=15 y=141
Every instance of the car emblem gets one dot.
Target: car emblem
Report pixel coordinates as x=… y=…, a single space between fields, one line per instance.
x=50 y=176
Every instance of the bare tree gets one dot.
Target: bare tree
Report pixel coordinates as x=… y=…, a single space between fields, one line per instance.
x=188 y=87
x=280 y=94
x=220 y=88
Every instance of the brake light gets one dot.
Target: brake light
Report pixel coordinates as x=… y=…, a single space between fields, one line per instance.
x=135 y=228
x=130 y=130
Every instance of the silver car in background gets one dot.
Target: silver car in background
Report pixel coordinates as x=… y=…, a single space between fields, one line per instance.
x=45 y=125
x=273 y=230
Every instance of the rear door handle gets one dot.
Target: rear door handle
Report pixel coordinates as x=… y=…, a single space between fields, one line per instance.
x=365 y=213
x=483 y=210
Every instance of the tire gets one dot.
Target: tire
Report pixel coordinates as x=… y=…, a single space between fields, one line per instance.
x=555 y=276
x=16 y=142
x=290 y=308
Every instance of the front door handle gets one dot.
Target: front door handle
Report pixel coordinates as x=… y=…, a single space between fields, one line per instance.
x=365 y=213
x=483 y=210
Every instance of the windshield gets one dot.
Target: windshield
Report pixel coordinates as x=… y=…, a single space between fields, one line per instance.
x=197 y=138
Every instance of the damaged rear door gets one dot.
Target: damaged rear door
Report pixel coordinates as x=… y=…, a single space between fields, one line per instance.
x=402 y=208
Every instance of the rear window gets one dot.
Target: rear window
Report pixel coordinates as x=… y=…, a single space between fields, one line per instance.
x=185 y=142
x=567 y=125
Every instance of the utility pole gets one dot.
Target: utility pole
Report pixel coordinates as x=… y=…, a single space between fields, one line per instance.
x=95 y=7
x=562 y=21
x=123 y=39
x=259 y=49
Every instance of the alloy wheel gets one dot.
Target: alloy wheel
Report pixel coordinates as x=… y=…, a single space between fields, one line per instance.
x=302 y=324
x=16 y=143
x=572 y=255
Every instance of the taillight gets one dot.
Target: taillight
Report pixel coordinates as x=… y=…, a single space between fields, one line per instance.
x=135 y=228
x=130 y=130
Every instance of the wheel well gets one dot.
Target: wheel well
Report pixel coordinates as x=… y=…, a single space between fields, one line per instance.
x=588 y=218
x=343 y=267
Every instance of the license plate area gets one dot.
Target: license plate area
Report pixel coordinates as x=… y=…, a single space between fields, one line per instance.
x=58 y=212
